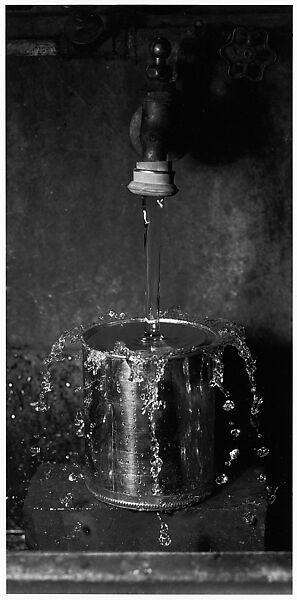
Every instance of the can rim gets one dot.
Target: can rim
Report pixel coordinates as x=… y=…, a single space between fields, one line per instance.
x=157 y=351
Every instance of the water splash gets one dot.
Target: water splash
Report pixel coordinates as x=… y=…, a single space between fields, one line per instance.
x=249 y=518
x=203 y=361
x=235 y=432
x=228 y=405
x=67 y=500
x=262 y=452
x=271 y=493
x=147 y=368
x=217 y=379
x=56 y=355
x=164 y=537
x=152 y=403
x=75 y=476
x=156 y=461
x=79 y=424
x=34 y=450
x=238 y=341
x=234 y=454
x=221 y=479
x=186 y=372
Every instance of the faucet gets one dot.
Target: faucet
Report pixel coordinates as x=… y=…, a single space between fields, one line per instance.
x=152 y=128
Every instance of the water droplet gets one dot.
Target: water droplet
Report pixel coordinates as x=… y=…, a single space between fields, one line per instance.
x=164 y=537
x=39 y=406
x=235 y=432
x=156 y=488
x=68 y=384
x=66 y=501
x=234 y=453
x=229 y=405
x=79 y=424
x=271 y=493
x=34 y=450
x=186 y=372
x=12 y=417
x=48 y=474
x=221 y=479
x=263 y=451
x=249 y=518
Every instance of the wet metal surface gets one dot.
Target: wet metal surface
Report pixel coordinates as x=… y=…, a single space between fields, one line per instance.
x=61 y=514
x=127 y=443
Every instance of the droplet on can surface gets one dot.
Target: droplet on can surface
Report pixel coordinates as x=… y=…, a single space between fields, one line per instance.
x=263 y=451
x=79 y=424
x=34 y=450
x=235 y=432
x=234 y=453
x=271 y=493
x=229 y=405
x=249 y=518
x=221 y=479
x=66 y=501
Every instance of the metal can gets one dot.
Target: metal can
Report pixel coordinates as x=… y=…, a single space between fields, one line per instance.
x=141 y=456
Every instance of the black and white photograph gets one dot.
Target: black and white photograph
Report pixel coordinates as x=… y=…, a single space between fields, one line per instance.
x=149 y=421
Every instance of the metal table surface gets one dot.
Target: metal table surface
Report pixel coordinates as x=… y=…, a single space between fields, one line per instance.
x=149 y=572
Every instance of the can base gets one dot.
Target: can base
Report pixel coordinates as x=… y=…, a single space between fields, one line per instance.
x=154 y=503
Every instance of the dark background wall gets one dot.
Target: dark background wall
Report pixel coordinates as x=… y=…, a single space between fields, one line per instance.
x=74 y=232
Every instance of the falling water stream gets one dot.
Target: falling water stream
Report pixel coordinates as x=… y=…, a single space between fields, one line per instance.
x=152 y=210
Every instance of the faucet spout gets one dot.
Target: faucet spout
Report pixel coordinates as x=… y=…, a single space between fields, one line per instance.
x=153 y=176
